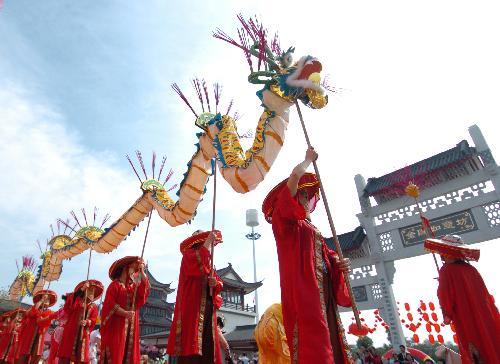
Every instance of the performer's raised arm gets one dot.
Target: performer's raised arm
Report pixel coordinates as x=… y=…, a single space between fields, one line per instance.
x=300 y=169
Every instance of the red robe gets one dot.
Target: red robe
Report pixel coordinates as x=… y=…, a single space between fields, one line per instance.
x=43 y=324
x=306 y=264
x=10 y=351
x=120 y=337
x=5 y=337
x=189 y=313
x=464 y=298
x=61 y=316
x=29 y=339
x=73 y=341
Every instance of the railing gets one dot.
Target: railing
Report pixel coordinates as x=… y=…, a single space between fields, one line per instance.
x=238 y=306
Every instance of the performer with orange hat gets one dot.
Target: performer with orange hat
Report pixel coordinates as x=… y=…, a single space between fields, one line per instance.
x=120 y=313
x=193 y=335
x=10 y=351
x=311 y=275
x=82 y=315
x=36 y=323
x=466 y=302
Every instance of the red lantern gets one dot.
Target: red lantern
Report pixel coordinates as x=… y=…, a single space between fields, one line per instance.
x=434 y=316
x=413 y=327
x=437 y=328
x=428 y=327
x=410 y=316
x=358 y=331
x=426 y=316
x=440 y=339
x=403 y=320
x=407 y=326
x=423 y=306
x=455 y=339
x=376 y=312
x=431 y=306
x=452 y=326
x=407 y=307
x=416 y=339
x=431 y=339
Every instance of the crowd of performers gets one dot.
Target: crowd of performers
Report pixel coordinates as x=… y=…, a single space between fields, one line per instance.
x=312 y=287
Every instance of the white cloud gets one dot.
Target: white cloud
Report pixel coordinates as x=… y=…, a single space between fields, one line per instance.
x=48 y=173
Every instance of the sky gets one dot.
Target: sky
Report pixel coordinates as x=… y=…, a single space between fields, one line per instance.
x=84 y=83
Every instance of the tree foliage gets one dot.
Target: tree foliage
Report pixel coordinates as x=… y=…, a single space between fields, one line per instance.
x=364 y=341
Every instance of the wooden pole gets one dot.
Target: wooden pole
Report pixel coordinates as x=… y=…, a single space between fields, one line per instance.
x=213 y=214
x=146 y=235
x=84 y=316
x=212 y=250
x=330 y=220
x=142 y=255
x=428 y=233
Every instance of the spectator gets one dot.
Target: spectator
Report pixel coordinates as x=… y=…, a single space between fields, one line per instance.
x=222 y=340
x=408 y=359
x=357 y=358
x=402 y=354
x=95 y=346
x=368 y=358
x=394 y=359
x=244 y=359
x=375 y=357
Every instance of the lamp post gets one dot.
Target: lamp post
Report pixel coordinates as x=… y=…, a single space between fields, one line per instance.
x=253 y=221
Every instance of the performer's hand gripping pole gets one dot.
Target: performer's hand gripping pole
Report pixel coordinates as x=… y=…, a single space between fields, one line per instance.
x=330 y=220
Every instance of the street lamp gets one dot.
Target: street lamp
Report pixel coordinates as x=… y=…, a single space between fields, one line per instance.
x=253 y=221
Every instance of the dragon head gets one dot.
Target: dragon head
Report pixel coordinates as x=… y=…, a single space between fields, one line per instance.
x=274 y=68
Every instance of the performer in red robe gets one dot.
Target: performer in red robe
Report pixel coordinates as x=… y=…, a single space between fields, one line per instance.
x=10 y=351
x=36 y=322
x=6 y=330
x=311 y=275
x=74 y=345
x=120 y=313
x=466 y=302
x=193 y=335
x=56 y=336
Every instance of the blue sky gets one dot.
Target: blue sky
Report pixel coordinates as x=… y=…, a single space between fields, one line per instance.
x=82 y=83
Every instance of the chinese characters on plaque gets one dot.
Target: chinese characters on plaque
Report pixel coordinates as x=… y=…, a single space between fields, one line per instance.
x=457 y=223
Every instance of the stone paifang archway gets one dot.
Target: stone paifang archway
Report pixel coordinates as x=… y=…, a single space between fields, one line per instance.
x=460 y=194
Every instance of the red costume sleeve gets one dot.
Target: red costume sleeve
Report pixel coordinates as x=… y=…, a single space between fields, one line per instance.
x=142 y=292
x=33 y=312
x=445 y=293
x=288 y=206
x=68 y=305
x=45 y=319
x=217 y=290
x=109 y=306
x=339 y=285
x=196 y=262
x=92 y=316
